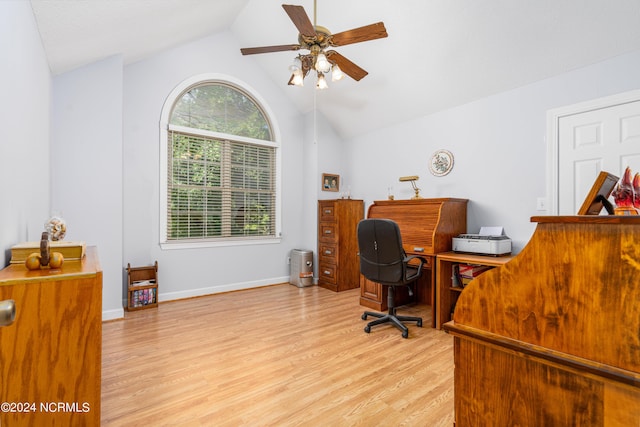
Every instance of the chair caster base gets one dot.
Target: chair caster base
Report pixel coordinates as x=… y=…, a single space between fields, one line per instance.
x=391 y=318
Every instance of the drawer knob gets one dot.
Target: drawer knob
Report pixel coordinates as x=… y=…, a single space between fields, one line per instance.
x=327 y=272
x=327 y=231
x=327 y=252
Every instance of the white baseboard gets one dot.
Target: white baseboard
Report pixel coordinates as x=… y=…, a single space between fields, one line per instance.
x=113 y=314
x=172 y=296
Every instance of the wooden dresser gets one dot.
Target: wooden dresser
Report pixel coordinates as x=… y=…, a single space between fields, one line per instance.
x=338 y=264
x=552 y=338
x=427 y=227
x=50 y=357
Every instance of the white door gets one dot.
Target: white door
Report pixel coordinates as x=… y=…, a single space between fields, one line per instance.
x=603 y=135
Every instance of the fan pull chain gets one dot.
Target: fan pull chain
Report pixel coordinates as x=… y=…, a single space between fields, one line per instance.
x=315 y=118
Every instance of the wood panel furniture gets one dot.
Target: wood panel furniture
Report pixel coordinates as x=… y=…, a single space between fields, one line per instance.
x=338 y=264
x=50 y=357
x=447 y=294
x=142 y=287
x=551 y=338
x=427 y=227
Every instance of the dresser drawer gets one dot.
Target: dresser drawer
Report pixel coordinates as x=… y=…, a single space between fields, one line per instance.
x=327 y=212
x=328 y=252
x=328 y=232
x=327 y=273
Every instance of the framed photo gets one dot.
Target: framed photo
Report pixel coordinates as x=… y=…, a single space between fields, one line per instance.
x=330 y=182
x=598 y=195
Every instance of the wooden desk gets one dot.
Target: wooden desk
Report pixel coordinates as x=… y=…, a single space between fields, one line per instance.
x=51 y=355
x=551 y=338
x=427 y=227
x=446 y=294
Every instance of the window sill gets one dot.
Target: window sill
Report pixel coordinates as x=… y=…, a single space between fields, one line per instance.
x=217 y=244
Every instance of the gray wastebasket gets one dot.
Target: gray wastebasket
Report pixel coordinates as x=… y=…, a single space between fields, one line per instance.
x=301 y=268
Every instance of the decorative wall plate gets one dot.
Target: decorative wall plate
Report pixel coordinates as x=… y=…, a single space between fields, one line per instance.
x=441 y=163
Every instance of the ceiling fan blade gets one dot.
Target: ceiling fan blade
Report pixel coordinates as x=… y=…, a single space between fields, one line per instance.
x=361 y=34
x=347 y=67
x=267 y=49
x=300 y=19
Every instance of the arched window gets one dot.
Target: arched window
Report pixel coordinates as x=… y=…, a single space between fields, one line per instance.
x=220 y=179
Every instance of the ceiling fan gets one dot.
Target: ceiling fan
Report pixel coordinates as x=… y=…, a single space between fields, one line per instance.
x=319 y=41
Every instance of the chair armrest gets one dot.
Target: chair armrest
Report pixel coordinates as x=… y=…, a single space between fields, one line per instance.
x=410 y=257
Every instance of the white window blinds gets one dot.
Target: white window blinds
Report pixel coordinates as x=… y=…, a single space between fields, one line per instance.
x=219 y=188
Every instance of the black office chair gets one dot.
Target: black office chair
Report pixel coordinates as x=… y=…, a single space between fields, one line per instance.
x=383 y=260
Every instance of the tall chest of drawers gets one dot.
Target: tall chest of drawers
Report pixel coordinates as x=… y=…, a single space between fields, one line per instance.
x=338 y=263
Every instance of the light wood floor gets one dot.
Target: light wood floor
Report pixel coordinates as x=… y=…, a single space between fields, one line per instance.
x=273 y=356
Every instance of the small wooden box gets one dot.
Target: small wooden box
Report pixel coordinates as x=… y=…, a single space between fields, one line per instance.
x=142 y=287
x=71 y=251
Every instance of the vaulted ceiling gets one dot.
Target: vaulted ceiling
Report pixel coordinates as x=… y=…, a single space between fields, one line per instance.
x=439 y=53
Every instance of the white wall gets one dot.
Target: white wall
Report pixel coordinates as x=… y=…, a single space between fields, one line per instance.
x=86 y=166
x=330 y=159
x=323 y=153
x=189 y=272
x=24 y=113
x=498 y=143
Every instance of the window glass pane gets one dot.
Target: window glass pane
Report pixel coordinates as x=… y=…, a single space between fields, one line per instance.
x=252 y=214
x=221 y=108
x=194 y=184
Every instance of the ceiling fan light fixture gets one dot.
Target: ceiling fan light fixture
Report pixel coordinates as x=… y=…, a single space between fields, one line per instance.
x=296 y=65
x=322 y=64
x=297 y=78
x=322 y=82
x=336 y=73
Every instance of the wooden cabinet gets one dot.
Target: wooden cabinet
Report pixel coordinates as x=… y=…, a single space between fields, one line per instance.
x=446 y=293
x=551 y=338
x=50 y=357
x=142 y=287
x=338 y=263
x=427 y=227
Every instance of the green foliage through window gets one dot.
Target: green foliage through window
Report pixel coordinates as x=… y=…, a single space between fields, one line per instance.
x=221 y=108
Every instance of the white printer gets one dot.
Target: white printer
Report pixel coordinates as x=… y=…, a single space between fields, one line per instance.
x=490 y=241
